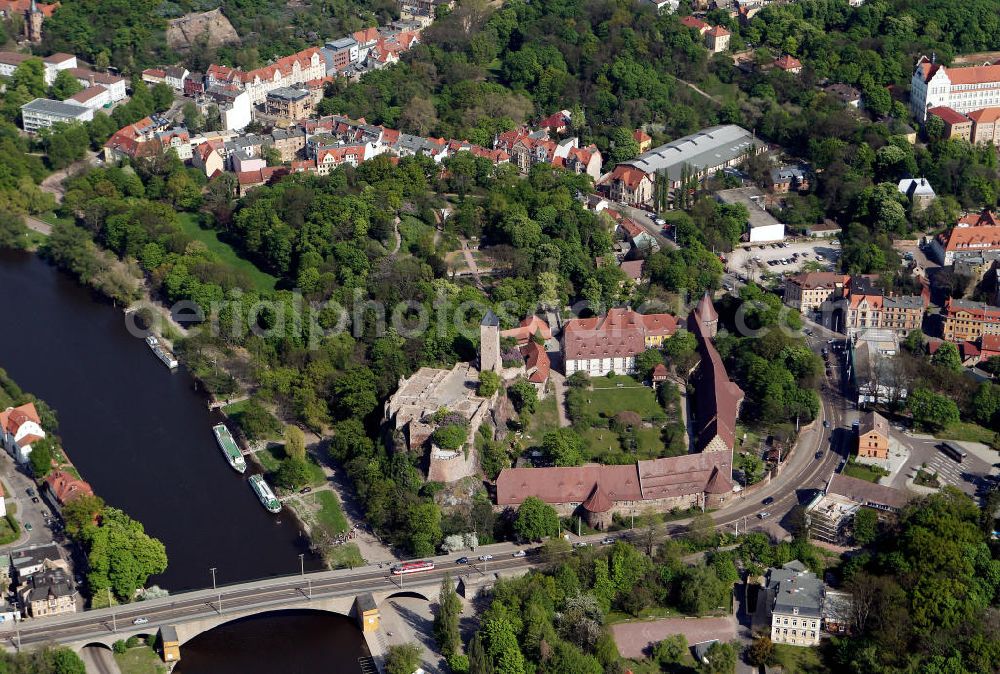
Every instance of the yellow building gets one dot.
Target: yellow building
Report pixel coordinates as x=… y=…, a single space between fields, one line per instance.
x=367 y=612
x=170 y=646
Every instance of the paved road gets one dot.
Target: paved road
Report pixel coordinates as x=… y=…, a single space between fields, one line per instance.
x=37 y=225
x=99 y=660
x=646 y=220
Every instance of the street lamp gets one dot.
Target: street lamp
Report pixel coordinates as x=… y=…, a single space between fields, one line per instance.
x=302 y=564
x=114 y=620
x=215 y=589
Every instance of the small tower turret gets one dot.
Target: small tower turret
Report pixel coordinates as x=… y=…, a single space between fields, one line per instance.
x=489 y=343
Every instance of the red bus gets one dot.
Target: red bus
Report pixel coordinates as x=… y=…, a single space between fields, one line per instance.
x=412 y=567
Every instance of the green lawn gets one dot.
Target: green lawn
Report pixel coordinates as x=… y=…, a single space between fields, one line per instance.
x=799 y=660
x=53 y=219
x=607 y=399
x=346 y=556
x=415 y=234
x=140 y=660
x=861 y=472
x=967 y=432
x=545 y=418
x=329 y=514
x=262 y=281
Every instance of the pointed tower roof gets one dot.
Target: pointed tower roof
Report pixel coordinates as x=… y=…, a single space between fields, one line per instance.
x=490 y=319
x=705 y=309
x=598 y=501
x=718 y=483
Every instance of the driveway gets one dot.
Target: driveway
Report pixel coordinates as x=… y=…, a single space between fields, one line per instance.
x=635 y=638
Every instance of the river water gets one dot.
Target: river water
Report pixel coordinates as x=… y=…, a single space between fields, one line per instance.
x=142 y=437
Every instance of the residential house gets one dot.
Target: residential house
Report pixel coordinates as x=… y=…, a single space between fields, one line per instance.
x=788 y=63
x=956 y=125
x=873 y=436
x=114 y=84
x=808 y=292
x=963 y=89
x=235 y=105
x=965 y=320
x=19 y=428
x=290 y=143
x=642 y=139
x=633 y=269
x=985 y=126
x=154 y=76
x=92 y=97
x=194 y=85
x=557 y=123
x=339 y=54
x=56 y=62
x=62 y=487
x=536 y=364
x=288 y=104
x=630 y=186
x=664 y=6
x=717 y=39
x=637 y=235
x=610 y=343
x=26 y=562
x=867 y=306
x=42 y=113
x=10 y=60
x=918 y=191
x=140 y=139
x=697 y=24
x=584 y=160
x=793 y=598
x=972 y=236
x=208 y=157
x=844 y=93
x=244 y=161
x=48 y=593
x=176 y=76
x=528 y=329
x=788 y=178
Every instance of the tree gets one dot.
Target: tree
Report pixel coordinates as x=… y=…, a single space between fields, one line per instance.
x=489 y=383
x=932 y=411
x=256 y=422
x=670 y=651
x=446 y=621
x=121 y=555
x=12 y=229
x=64 y=661
x=354 y=393
x=479 y=661
x=163 y=96
x=424 y=529
x=646 y=361
x=271 y=156
x=564 y=447
x=535 y=519
x=523 y=395
x=292 y=473
x=986 y=405
x=193 y=119
x=761 y=652
x=624 y=145
x=865 y=525
x=914 y=342
x=81 y=512
x=721 y=659
x=419 y=116
x=40 y=459
x=451 y=436
x=947 y=356
x=350 y=440
x=65 y=85
x=402 y=659
x=30 y=76
x=295 y=443
x=701 y=530
x=702 y=591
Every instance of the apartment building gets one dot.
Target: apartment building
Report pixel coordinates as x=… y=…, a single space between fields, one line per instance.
x=610 y=343
x=807 y=292
x=868 y=306
x=43 y=112
x=961 y=89
x=966 y=321
x=795 y=598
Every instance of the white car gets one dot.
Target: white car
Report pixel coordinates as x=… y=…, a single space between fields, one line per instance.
x=485 y=558
x=520 y=553
x=140 y=621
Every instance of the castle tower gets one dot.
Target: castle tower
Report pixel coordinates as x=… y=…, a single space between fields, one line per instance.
x=33 y=18
x=706 y=314
x=489 y=343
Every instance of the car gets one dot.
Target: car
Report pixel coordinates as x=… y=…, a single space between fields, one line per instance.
x=819 y=454
x=660 y=222
x=34 y=499
x=608 y=541
x=768 y=501
x=485 y=558
x=30 y=491
x=27 y=526
x=462 y=560
x=305 y=490
x=808 y=332
x=519 y=553
x=764 y=515
x=826 y=424
x=581 y=544
x=140 y=621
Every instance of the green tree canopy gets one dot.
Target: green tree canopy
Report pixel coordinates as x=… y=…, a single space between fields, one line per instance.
x=535 y=520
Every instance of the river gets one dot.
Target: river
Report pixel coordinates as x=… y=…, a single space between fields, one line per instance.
x=139 y=434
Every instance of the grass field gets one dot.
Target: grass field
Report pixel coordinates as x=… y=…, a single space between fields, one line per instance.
x=53 y=219
x=140 y=660
x=607 y=399
x=271 y=458
x=861 y=472
x=262 y=281
x=799 y=660
x=545 y=418
x=347 y=556
x=329 y=512
x=415 y=234
x=966 y=432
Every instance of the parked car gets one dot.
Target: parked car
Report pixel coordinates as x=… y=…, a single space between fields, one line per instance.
x=608 y=541
x=485 y=558
x=305 y=490
x=768 y=501
x=764 y=515
x=819 y=454
x=140 y=621
x=826 y=424
x=580 y=544
x=462 y=560
x=34 y=499
x=27 y=526
x=30 y=491
x=519 y=553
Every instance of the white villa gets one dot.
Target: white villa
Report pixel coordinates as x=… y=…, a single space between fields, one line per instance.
x=19 y=428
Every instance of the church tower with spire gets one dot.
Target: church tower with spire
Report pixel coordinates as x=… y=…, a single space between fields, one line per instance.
x=705 y=314
x=33 y=18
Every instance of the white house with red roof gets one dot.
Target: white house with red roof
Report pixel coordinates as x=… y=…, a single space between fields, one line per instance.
x=962 y=89
x=972 y=235
x=610 y=343
x=20 y=427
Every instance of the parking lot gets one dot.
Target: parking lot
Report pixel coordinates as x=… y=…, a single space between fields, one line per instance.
x=753 y=260
x=966 y=476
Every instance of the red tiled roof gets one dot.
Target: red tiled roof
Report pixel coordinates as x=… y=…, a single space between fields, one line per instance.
x=567 y=485
x=718 y=398
x=535 y=358
x=598 y=501
x=633 y=268
x=694 y=22
x=527 y=329
x=641 y=136
x=706 y=309
x=787 y=62
x=154 y=72
x=681 y=475
x=973 y=74
x=88 y=94
x=19 y=7
x=820 y=279
x=630 y=175
x=620 y=333
x=718 y=31
x=985 y=115
x=989 y=346
x=13 y=418
x=977 y=311
x=65 y=487
x=660 y=371
x=948 y=115
x=28 y=440
x=981 y=237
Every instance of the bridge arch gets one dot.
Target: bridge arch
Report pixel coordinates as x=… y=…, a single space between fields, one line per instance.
x=408 y=593
x=96 y=644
